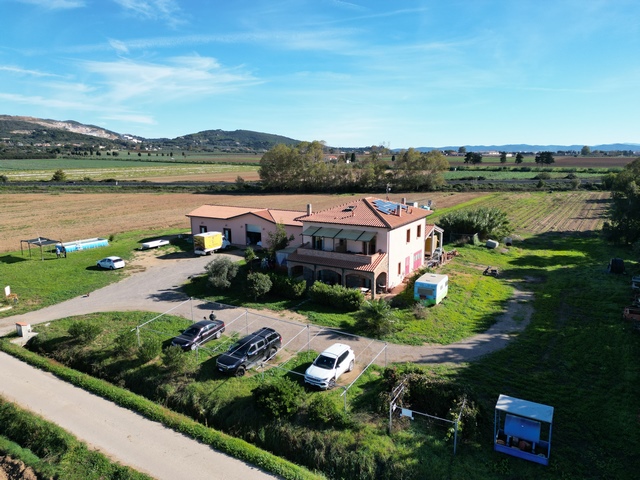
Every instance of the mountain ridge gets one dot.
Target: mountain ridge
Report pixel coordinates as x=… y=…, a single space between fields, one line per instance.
x=26 y=130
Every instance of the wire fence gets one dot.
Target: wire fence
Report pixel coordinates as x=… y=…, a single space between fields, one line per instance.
x=296 y=338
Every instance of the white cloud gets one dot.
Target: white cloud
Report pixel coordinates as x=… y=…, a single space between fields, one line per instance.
x=56 y=4
x=162 y=10
x=23 y=71
x=186 y=77
x=119 y=46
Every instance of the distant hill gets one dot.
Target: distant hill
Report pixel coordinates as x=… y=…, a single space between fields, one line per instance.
x=225 y=140
x=29 y=136
x=28 y=132
x=522 y=147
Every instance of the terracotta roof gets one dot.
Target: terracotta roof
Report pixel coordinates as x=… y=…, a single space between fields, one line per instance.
x=336 y=263
x=364 y=213
x=286 y=217
x=223 y=212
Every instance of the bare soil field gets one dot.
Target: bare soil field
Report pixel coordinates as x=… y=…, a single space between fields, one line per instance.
x=74 y=216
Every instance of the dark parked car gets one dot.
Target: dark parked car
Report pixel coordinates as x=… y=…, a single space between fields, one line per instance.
x=260 y=346
x=198 y=334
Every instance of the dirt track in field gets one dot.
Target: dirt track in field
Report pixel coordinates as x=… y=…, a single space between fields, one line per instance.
x=74 y=216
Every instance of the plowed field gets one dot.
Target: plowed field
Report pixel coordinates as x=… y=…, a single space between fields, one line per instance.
x=69 y=216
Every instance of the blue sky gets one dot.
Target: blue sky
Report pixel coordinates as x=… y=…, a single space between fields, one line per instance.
x=350 y=73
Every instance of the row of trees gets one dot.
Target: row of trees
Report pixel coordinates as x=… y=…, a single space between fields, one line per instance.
x=624 y=216
x=304 y=168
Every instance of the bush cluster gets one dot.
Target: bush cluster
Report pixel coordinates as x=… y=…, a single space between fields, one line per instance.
x=341 y=298
x=84 y=332
x=280 y=398
x=287 y=287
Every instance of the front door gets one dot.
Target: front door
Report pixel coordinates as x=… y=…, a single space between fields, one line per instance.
x=407 y=265
x=227 y=234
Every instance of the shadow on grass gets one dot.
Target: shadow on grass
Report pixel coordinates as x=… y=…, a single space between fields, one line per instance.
x=9 y=259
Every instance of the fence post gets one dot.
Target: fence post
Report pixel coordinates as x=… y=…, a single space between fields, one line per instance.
x=390 y=416
x=246 y=319
x=191 y=304
x=386 y=346
x=308 y=338
x=138 y=335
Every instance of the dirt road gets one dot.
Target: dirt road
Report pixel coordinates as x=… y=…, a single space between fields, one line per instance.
x=117 y=432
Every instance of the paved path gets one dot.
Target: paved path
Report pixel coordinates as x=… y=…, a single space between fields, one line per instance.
x=117 y=432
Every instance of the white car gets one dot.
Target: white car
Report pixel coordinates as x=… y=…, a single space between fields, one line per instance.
x=111 y=263
x=329 y=365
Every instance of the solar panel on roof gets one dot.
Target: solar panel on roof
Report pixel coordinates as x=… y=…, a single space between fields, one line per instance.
x=388 y=207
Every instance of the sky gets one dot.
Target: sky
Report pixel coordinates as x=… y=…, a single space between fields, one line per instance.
x=401 y=74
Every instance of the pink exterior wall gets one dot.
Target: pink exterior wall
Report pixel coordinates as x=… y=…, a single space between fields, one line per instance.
x=409 y=256
x=237 y=225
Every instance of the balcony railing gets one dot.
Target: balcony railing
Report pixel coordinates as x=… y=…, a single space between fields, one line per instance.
x=348 y=257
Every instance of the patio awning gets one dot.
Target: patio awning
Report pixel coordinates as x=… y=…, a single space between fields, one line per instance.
x=366 y=236
x=349 y=234
x=327 y=232
x=310 y=231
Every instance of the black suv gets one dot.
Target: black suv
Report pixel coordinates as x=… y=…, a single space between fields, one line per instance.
x=198 y=334
x=260 y=346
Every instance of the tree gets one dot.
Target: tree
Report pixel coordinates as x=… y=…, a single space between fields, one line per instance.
x=623 y=225
x=545 y=158
x=353 y=156
x=59 y=176
x=586 y=151
x=249 y=257
x=277 y=240
x=462 y=150
x=417 y=170
x=519 y=158
x=503 y=157
x=221 y=271
x=4 y=179
x=473 y=158
x=258 y=284
x=485 y=221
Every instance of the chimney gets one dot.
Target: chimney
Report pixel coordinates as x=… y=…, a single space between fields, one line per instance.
x=404 y=200
x=309 y=209
x=399 y=211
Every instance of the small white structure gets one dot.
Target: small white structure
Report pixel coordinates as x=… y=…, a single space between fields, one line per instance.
x=23 y=329
x=492 y=244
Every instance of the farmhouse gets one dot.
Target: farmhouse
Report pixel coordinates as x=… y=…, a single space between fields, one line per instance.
x=363 y=244
x=368 y=243
x=244 y=226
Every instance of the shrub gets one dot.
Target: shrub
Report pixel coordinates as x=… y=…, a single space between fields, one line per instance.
x=59 y=176
x=4 y=178
x=420 y=311
x=84 y=332
x=325 y=410
x=150 y=349
x=279 y=398
x=376 y=317
x=542 y=176
x=287 y=287
x=258 y=284
x=221 y=271
x=125 y=344
x=175 y=360
x=341 y=298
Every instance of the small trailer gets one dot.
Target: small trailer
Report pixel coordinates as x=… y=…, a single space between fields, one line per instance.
x=431 y=288
x=154 y=244
x=208 y=242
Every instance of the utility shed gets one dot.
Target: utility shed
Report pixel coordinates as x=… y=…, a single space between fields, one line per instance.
x=523 y=429
x=431 y=288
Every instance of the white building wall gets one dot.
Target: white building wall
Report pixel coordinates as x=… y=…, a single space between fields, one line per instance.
x=405 y=256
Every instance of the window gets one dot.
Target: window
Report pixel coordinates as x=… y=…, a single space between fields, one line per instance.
x=399 y=268
x=419 y=233
x=408 y=235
